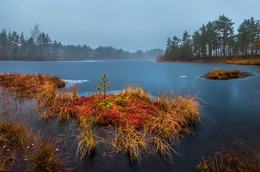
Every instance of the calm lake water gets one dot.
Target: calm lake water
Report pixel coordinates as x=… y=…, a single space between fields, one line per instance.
x=231 y=112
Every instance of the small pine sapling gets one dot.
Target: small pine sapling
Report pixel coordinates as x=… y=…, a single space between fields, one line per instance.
x=103 y=86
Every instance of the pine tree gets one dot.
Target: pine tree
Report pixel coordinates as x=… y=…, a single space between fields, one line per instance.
x=225 y=30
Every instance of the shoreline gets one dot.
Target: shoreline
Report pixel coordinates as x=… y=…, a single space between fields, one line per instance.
x=71 y=59
x=252 y=61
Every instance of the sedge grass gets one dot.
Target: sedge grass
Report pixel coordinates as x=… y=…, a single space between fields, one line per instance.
x=238 y=158
x=87 y=140
x=52 y=102
x=142 y=126
x=44 y=158
x=18 y=141
x=157 y=130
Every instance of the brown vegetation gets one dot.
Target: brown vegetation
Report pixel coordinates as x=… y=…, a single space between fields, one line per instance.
x=238 y=159
x=20 y=145
x=218 y=74
x=237 y=61
x=140 y=123
x=254 y=61
x=27 y=86
x=137 y=124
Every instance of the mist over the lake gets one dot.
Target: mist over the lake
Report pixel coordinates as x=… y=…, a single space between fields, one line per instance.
x=130 y=25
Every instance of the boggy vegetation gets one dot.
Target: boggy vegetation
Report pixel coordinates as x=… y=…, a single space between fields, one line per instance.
x=252 y=61
x=27 y=86
x=138 y=125
x=19 y=146
x=218 y=74
x=238 y=158
x=135 y=124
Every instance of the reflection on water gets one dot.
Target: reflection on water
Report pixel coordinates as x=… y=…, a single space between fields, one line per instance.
x=231 y=111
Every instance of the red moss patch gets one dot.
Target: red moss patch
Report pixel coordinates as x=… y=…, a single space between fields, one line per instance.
x=113 y=110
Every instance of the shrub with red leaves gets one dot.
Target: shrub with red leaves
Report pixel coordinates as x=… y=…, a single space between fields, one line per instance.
x=133 y=110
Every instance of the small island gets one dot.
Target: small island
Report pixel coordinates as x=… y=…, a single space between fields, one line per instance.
x=218 y=74
x=131 y=122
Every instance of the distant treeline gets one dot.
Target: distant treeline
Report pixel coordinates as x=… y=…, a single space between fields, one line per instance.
x=39 y=46
x=216 y=39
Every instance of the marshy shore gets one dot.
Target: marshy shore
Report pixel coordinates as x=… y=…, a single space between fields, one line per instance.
x=134 y=124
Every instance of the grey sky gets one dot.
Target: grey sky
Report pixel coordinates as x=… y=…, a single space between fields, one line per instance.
x=127 y=24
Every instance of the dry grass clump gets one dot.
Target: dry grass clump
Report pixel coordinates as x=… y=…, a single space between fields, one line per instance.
x=238 y=159
x=87 y=140
x=177 y=117
x=27 y=86
x=218 y=74
x=129 y=141
x=20 y=145
x=44 y=158
x=162 y=148
x=10 y=142
x=52 y=102
x=137 y=143
x=137 y=92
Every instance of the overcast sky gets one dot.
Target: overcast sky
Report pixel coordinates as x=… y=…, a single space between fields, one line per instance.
x=127 y=24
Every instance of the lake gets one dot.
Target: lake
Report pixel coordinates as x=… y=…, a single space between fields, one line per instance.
x=231 y=109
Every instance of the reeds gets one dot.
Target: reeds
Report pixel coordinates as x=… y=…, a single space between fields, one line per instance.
x=18 y=141
x=237 y=158
x=136 y=92
x=129 y=141
x=87 y=140
x=178 y=116
x=44 y=158
x=141 y=125
x=136 y=143
x=52 y=102
x=162 y=148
